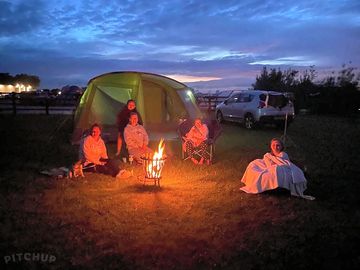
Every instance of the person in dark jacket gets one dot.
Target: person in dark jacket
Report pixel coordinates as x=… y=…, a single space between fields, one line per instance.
x=122 y=120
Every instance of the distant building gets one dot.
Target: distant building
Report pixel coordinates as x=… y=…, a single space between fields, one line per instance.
x=7 y=88
x=18 y=88
x=73 y=89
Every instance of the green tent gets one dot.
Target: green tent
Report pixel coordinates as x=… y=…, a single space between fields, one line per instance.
x=161 y=102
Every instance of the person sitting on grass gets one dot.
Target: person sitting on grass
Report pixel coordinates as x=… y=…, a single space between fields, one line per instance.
x=94 y=155
x=136 y=138
x=122 y=120
x=196 y=139
x=273 y=171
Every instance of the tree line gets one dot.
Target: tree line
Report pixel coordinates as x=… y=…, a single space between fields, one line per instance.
x=338 y=93
x=25 y=79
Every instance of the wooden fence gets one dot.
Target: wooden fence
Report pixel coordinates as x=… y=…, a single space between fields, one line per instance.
x=209 y=102
x=12 y=104
x=45 y=105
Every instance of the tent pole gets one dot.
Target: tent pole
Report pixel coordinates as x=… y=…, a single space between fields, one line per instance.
x=285 y=130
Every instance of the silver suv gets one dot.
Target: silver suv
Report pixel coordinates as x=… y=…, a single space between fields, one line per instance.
x=253 y=107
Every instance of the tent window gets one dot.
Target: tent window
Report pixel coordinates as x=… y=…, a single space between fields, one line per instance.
x=189 y=101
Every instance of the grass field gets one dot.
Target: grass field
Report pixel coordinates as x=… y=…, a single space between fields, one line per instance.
x=198 y=219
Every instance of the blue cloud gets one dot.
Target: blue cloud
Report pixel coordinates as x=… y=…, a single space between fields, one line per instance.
x=19 y=19
x=64 y=41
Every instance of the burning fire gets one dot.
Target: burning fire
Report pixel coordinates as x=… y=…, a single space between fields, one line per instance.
x=155 y=164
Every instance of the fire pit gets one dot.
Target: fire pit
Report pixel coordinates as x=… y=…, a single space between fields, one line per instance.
x=153 y=165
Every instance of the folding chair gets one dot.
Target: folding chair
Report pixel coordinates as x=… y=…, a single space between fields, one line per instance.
x=183 y=128
x=214 y=132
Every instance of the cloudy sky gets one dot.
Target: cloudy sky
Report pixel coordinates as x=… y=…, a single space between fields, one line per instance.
x=204 y=43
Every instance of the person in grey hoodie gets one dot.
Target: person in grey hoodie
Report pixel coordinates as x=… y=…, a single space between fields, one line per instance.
x=136 y=138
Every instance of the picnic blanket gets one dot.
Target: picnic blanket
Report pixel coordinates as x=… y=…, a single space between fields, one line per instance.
x=272 y=172
x=57 y=172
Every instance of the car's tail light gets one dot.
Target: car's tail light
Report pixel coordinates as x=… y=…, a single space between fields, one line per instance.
x=262 y=104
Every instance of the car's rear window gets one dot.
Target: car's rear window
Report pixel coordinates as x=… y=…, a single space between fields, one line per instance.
x=262 y=97
x=245 y=98
x=277 y=101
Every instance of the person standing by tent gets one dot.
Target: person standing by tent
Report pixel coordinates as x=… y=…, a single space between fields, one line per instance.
x=122 y=120
x=94 y=154
x=136 y=138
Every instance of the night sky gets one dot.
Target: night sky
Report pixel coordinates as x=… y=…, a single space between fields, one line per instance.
x=205 y=44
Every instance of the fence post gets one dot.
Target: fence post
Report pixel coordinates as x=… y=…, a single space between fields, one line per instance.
x=47 y=106
x=13 y=99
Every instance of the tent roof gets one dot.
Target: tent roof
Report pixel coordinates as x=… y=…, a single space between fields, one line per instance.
x=146 y=75
x=161 y=102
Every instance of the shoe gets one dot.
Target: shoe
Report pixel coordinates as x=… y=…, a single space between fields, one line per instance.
x=194 y=161
x=201 y=162
x=124 y=174
x=138 y=161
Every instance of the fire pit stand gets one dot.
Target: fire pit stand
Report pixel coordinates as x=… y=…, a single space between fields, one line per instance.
x=152 y=168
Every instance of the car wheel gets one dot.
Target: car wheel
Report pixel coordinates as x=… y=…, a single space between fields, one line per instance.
x=219 y=117
x=249 y=121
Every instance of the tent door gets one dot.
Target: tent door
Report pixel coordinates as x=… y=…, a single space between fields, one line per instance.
x=156 y=110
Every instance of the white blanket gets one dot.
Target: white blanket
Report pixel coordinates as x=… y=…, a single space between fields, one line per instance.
x=272 y=172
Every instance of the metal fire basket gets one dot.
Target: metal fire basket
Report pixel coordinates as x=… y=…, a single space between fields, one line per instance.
x=153 y=168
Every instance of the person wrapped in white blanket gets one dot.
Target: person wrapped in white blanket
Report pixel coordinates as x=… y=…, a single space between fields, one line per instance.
x=273 y=171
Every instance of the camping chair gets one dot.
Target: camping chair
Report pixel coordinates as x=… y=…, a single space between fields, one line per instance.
x=214 y=132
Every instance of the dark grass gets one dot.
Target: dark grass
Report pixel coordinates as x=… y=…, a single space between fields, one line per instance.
x=197 y=219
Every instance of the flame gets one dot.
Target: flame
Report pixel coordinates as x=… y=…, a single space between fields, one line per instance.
x=155 y=165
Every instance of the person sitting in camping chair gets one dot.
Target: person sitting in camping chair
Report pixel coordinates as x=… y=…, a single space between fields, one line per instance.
x=195 y=142
x=136 y=138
